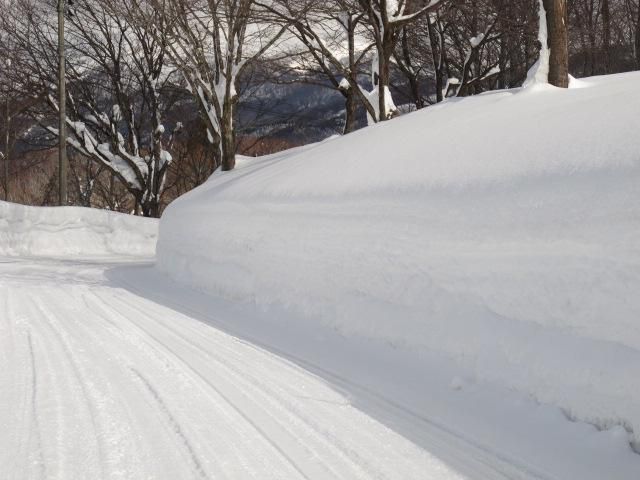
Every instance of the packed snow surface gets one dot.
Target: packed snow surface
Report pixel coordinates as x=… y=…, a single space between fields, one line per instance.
x=500 y=231
x=97 y=382
x=73 y=231
x=111 y=371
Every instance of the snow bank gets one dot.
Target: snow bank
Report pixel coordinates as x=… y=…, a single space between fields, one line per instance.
x=502 y=231
x=53 y=231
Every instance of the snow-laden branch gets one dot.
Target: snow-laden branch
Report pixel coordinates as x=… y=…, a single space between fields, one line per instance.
x=399 y=18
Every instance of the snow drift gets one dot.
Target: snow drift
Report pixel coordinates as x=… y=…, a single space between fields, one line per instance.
x=502 y=231
x=54 y=231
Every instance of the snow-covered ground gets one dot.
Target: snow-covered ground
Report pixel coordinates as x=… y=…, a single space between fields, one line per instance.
x=500 y=231
x=98 y=382
x=110 y=371
x=449 y=295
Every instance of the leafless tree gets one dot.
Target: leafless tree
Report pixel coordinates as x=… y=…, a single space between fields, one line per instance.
x=386 y=20
x=212 y=43
x=115 y=75
x=334 y=45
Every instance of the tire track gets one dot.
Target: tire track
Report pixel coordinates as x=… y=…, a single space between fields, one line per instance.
x=34 y=412
x=84 y=385
x=500 y=464
x=28 y=425
x=85 y=336
x=173 y=424
x=284 y=409
x=233 y=404
x=159 y=355
x=278 y=402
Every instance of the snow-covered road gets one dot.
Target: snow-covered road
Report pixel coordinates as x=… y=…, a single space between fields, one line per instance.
x=100 y=382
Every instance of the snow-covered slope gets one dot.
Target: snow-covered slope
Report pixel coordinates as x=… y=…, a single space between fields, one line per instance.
x=500 y=231
x=52 y=231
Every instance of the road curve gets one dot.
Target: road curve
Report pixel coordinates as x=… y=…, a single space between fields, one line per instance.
x=97 y=382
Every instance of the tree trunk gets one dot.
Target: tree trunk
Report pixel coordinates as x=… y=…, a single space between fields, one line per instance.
x=228 y=137
x=606 y=35
x=383 y=81
x=415 y=92
x=153 y=209
x=150 y=208
x=350 y=111
x=7 y=147
x=439 y=87
x=558 y=42
x=502 y=81
x=591 y=53
x=581 y=26
x=349 y=94
x=437 y=58
x=406 y=66
x=63 y=163
x=638 y=39
x=156 y=173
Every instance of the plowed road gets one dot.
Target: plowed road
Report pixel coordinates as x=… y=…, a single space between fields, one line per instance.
x=97 y=382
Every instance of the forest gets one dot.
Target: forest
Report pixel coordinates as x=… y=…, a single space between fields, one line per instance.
x=161 y=93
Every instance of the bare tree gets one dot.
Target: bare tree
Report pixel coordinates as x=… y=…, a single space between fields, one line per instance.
x=334 y=46
x=212 y=43
x=386 y=19
x=115 y=75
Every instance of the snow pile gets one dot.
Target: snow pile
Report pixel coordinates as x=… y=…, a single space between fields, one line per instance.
x=53 y=231
x=502 y=231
